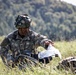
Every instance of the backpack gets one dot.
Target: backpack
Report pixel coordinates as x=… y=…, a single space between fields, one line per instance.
x=68 y=63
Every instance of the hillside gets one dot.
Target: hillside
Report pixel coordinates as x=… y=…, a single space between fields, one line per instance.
x=53 y=18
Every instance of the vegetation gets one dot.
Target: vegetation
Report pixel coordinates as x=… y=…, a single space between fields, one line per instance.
x=53 y=18
x=66 y=48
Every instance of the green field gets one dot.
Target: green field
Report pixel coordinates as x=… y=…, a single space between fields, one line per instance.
x=66 y=48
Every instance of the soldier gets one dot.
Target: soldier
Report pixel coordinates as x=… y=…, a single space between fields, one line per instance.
x=22 y=41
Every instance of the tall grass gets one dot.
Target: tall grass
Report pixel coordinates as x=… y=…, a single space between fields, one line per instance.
x=66 y=48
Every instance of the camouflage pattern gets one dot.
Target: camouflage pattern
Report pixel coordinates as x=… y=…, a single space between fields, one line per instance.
x=22 y=21
x=68 y=63
x=13 y=44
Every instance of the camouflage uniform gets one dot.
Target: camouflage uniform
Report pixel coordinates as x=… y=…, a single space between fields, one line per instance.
x=13 y=44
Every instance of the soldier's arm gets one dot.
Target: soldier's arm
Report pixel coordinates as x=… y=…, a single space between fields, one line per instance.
x=4 y=47
x=43 y=41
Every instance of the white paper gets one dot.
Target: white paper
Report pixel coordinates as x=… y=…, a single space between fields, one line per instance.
x=51 y=51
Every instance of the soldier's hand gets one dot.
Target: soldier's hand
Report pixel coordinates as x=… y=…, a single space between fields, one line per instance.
x=47 y=43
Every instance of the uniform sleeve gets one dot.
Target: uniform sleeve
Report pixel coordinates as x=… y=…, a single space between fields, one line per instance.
x=4 y=47
x=40 y=40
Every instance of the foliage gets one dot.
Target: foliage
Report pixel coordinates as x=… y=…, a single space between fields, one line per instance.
x=53 y=18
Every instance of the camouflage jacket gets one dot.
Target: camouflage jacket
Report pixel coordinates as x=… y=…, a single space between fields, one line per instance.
x=14 y=44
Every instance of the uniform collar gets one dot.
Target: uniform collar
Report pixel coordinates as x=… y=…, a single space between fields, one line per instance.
x=26 y=37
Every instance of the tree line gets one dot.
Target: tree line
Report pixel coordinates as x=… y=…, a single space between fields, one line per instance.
x=53 y=18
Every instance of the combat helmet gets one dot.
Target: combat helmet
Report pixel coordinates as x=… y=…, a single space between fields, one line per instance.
x=22 y=21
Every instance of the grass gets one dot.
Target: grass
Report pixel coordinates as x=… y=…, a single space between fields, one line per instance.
x=66 y=48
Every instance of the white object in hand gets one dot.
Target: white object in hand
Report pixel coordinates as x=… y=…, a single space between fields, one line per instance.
x=51 y=51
